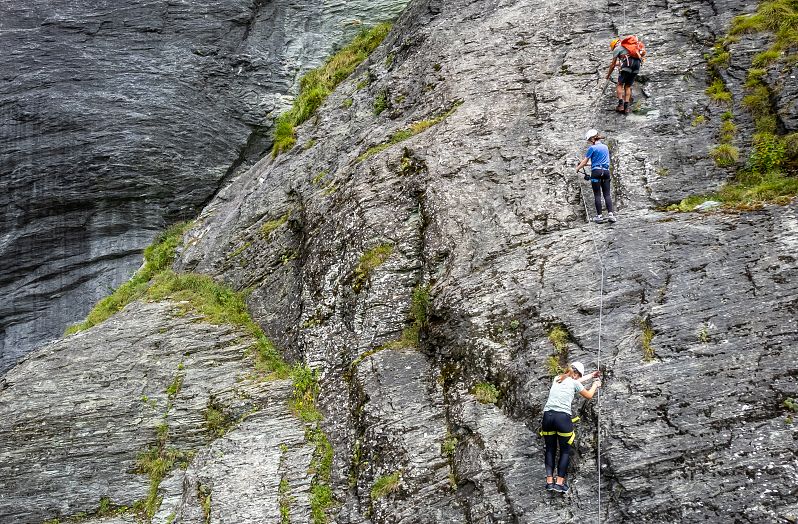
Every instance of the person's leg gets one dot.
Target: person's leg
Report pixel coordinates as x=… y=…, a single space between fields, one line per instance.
x=551 y=453
x=596 y=195
x=564 y=425
x=565 y=458
x=629 y=79
x=551 y=445
x=619 y=91
x=606 y=189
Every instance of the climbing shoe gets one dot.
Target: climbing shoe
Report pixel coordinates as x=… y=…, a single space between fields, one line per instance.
x=598 y=219
x=611 y=217
x=549 y=486
x=562 y=488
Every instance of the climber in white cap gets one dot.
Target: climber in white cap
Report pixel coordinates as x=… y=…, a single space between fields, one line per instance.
x=598 y=155
x=558 y=424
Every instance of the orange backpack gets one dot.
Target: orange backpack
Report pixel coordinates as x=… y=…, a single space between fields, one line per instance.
x=635 y=47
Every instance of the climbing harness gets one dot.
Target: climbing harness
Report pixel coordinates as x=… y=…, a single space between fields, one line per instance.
x=571 y=434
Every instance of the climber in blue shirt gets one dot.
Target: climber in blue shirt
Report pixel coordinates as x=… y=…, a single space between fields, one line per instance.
x=598 y=155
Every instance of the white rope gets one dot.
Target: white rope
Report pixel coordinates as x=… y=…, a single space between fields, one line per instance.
x=598 y=357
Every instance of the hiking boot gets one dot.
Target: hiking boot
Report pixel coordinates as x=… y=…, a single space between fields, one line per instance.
x=611 y=217
x=562 y=488
x=627 y=108
x=549 y=486
x=619 y=107
x=598 y=219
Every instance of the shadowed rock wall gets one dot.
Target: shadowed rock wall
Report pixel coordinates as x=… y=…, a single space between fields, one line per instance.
x=118 y=118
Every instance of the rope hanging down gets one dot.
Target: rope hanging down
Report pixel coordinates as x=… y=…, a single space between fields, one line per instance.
x=598 y=356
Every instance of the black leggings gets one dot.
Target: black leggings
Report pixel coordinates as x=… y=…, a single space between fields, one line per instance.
x=560 y=422
x=600 y=182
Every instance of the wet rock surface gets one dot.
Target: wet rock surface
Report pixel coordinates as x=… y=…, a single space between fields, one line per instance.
x=119 y=118
x=482 y=209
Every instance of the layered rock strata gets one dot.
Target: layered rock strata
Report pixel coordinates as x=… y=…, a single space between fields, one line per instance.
x=119 y=118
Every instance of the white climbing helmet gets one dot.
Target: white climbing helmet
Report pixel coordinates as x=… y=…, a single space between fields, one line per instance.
x=591 y=133
x=579 y=367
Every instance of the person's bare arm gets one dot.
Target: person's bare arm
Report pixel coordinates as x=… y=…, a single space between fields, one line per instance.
x=612 y=66
x=588 y=393
x=582 y=164
x=587 y=377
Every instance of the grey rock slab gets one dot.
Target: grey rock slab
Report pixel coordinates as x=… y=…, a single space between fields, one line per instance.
x=78 y=412
x=242 y=471
x=402 y=427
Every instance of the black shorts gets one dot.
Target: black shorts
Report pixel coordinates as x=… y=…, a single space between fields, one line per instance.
x=626 y=78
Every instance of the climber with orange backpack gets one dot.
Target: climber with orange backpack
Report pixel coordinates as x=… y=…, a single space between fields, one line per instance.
x=628 y=54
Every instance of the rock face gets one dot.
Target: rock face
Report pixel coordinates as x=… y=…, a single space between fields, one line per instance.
x=465 y=185
x=119 y=117
x=80 y=412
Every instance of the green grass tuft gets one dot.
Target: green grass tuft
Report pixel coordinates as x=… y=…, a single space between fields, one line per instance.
x=486 y=393
x=306 y=389
x=156 y=462
x=717 y=91
x=385 y=485
x=449 y=445
x=317 y=84
x=157 y=258
x=409 y=132
x=369 y=261
x=218 y=304
x=217 y=420
x=725 y=155
x=727 y=131
x=646 y=337
x=271 y=226
x=381 y=102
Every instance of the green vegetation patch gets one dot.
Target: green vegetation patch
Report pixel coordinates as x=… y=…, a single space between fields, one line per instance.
x=157 y=257
x=419 y=319
x=646 y=337
x=306 y=390
x=725 y=155
x=217 y=420
x=386 y=485
x=105 y=509
x=156 y=462
x=369 y=261
x=381 y=102
x=559 y=338
x=409 y=132
x=317 y=85
x=768 y=175
x=218 y=304
x=321 y=495
x=486 y=393
x=449 y=445
x=717 y=91
x=271 y=226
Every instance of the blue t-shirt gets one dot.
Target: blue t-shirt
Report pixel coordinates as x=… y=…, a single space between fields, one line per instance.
x=599 y=156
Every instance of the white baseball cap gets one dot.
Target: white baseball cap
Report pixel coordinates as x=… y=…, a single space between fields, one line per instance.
x=591 y=133
x=579 y=367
